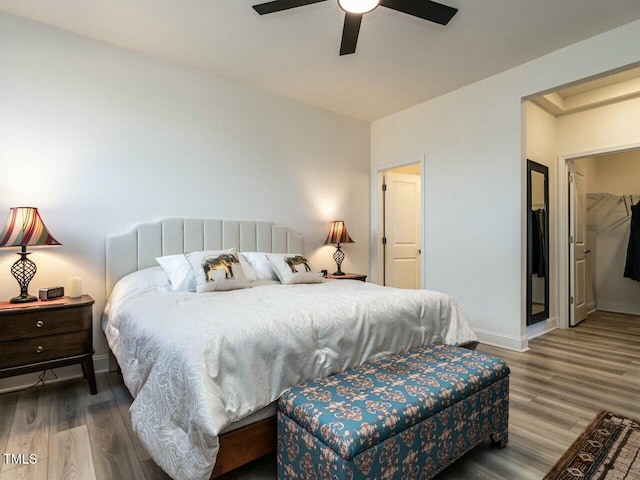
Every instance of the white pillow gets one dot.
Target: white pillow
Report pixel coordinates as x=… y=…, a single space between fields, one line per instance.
x=261 y=268
x=292 y=268
x=179 y=272
x=151 y=279
x=217 y=270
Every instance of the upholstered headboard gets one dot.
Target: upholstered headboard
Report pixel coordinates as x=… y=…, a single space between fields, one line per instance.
x=138 y=247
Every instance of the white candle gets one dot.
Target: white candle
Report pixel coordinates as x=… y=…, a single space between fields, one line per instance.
x=75 y=287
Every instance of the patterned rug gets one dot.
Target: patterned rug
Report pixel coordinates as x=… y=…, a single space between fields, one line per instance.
x=609 y=449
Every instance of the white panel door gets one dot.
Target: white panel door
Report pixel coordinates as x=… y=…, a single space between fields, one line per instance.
x=402 y=230
x=578 y=249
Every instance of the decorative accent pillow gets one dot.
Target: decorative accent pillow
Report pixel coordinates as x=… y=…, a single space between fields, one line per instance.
x=261 y=268
x=217 y=270
x=179 y=272
x=292 y=268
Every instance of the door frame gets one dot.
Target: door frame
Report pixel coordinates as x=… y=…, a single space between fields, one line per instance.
x=376 y=264
x=562 y=244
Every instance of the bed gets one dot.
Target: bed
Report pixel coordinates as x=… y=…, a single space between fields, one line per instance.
x=206 y=368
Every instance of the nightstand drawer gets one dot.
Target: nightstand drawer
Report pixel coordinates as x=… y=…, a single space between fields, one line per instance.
x=39 y=322
x=50 y=347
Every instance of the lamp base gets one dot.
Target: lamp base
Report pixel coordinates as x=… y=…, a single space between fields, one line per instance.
x=23 y=270
x=338 y=256
x=23 y=299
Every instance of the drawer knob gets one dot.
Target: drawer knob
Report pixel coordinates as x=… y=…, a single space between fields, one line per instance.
x=39 y=349
x=39 y=323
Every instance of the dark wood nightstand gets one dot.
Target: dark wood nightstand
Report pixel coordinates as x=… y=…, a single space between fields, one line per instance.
x=348 y=276
x=43 y=336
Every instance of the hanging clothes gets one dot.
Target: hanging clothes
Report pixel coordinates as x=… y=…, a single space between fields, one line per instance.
x=632 y=267
x=538 y=250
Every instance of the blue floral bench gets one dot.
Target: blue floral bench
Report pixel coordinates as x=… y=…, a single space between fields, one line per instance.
x=403 y=417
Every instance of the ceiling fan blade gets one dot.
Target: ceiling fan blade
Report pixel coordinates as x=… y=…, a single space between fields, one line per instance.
x=426 y=9
x=279 y=5
x=350 y=33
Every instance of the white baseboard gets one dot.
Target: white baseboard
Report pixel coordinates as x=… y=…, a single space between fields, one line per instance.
x=510 y=342
x=619 y=308
x=540 y=328
x=100 y=364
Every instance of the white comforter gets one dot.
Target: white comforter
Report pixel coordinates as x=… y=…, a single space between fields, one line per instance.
x=197 y=362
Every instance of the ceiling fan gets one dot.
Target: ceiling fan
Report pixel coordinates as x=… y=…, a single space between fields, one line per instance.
x=355 y=9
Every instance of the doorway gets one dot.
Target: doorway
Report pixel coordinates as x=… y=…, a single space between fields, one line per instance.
x=400 y=232
x=588 y=119
x=602 y=189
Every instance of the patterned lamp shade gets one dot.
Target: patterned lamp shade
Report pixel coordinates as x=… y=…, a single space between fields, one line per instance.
x=25 y=228
x=338 y=233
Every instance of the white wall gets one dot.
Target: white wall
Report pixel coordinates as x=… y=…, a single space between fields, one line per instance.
x=99 y=137
x=474 y=178
x=618 y=174
x=540 y=146
x=606 y=128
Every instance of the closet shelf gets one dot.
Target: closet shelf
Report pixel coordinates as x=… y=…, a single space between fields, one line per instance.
x=611 y=201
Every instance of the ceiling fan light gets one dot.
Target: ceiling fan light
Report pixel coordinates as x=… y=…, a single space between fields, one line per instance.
x=358 y=6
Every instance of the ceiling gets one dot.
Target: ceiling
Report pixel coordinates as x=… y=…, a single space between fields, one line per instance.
x=400 y=60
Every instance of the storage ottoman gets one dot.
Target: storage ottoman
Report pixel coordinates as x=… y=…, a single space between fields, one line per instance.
x=402 y=417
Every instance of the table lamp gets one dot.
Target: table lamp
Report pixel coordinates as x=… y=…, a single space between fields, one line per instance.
x=338 y=234
x=25 y=228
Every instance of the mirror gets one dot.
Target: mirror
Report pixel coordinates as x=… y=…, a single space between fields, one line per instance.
x=537 y=242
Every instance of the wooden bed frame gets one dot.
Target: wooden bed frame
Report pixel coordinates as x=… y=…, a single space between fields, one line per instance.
x=138 y=247
x=245 y=445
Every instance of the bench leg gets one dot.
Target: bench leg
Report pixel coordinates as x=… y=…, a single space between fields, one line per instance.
x=500 y=440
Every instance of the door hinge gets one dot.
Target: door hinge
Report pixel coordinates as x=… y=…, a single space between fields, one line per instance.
x=570 y=178
x=570 y=300
x=571 y=240
x=384 y=240
x=384 y=187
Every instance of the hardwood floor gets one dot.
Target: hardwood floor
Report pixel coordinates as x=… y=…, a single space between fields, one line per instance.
x=557 y=388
